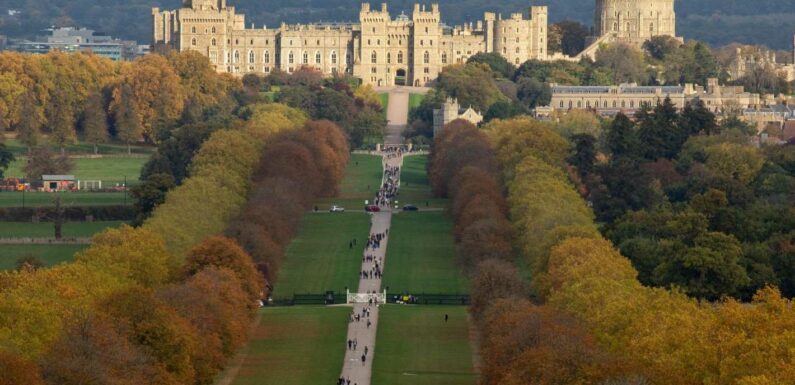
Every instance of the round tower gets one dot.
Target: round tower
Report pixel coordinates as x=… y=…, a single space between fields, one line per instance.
x=635 y=19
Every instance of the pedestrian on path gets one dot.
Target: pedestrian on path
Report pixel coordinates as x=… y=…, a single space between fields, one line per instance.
x=445 y=318
x=364 y=358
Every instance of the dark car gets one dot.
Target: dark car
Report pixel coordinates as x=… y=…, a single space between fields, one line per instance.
x=372 y=209
x=410 y=208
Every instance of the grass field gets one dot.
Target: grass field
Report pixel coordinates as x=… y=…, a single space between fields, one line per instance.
x=414 y=185
x=42 y=199
x=421 y=256
x=296 y=346
x=320 y=258
x=415 y=100
x=49 y=254
x=362 y=178
x=110 y=171
x=415 y=346
x=384 y=102
x=83 y=148
x=45 y=230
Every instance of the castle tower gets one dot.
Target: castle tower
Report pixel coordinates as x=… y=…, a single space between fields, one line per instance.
x=635 y=20
x=426 y=36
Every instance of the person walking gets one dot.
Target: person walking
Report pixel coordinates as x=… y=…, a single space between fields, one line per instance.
x=364 y=358
x=445 y=318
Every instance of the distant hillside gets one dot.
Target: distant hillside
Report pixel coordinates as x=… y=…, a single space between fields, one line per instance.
x=718 y=22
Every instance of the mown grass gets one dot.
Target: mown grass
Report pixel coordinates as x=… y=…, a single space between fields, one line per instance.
x=362 y=179
x=80 y=198
x=49 y=254
x=321 y=258
x=296 y=346
x=421 y=256
x=46 y=229
x=83 y=148
x=415 y=187
x=415 y=346
x=415 y=100
x=111 y=170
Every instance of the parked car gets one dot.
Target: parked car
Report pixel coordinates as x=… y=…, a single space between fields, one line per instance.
x=336 y=209
x=410 y=208
x=372 y=209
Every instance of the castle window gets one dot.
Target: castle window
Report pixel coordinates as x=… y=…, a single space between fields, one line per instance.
x=369 y=42
x=251 y=57
x=333 y=58
x=517 y=39
x=266 y=57
x=237 y=41
x=561 y=104
x=426 y=29
x=426 y=57
x=422 y=42
x=651 y=27
x=615 y=27
x=374 y=70
x=444 y=58
x=378 y=42
x=305 y=58
x=317 y=57
x=236 y=57
x=213 y=30
x=192 y=29
x=517 y=60
x=318 y=42
x=290 y=57
x=427 y=70
x=374 y=57
x=193 y=41
x=388 y=58
x=213 y=42
x=517 y=49
x=400 y=57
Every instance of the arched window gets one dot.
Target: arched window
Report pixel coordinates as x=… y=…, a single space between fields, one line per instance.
x=426 y=57
x=517 y=60
x=400 y=57
x=213 y=42
x=517 y=49
x=266 y=57
x=192 y=29
x=213 y=29
x=333 y=58
x=193 y=41
x=317 y=57
x=250 y=57
x=305 y=58
x=236 y=57
x=374 y=57
x=615 y=27
x=290 y=57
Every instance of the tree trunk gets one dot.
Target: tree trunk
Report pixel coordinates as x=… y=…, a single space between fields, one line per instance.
x=96 y=149
x=129 y=149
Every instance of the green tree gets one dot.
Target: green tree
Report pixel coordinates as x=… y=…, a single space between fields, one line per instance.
x=583 y=154
x=573 y=35
x=6 y=157
x=95 y=123
x=622 y=138
x=697 y=119
x=150 y=193
x=496 y=62
x=625 y=61
x=473 y=84
x=659 y=47
x=533 y=93
x=41 y=161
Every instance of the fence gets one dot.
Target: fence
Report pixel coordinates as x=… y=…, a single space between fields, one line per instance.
x=334 y=298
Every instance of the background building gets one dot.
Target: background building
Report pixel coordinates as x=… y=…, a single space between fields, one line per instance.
x=628 y=98
x=79 y=40
x=450 y=110
x=380 y=49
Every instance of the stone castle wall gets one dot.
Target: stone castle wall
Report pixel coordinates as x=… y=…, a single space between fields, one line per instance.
x=380 y=49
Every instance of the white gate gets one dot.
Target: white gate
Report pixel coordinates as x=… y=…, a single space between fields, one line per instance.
x=366 y=297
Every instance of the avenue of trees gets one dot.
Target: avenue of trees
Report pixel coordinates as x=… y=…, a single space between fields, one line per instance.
x=592 y=320
x=171 y=301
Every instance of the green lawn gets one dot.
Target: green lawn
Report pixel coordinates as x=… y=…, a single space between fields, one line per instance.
x=384 y=101
x=49 y=254
x=110 y=171
x=362 y=178
x=415 y=100
x=320 y=258
x=42 y=199
x=415 y=346
x=421 y=256
x=414 y=185
x=296 y=346
x=45 y=230
x=83 y=148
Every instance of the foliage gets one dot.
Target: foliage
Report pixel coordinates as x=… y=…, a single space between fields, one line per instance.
x=473 y=84
x=43 y=162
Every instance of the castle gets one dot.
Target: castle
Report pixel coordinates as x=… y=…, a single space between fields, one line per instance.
x=380 y=50
x=385 y=51
x=630 y=21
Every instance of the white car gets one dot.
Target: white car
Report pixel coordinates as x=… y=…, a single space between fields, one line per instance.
x=336 y=209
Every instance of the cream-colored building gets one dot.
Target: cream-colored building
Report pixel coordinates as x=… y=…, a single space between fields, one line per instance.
x=630 y=21
x=450 y=110
x=628 y=98
x=380 y=49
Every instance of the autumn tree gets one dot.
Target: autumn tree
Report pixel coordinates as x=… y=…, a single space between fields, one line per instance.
x=15 y=370
x=94 y=122
x=223 y=252
x=127 y=118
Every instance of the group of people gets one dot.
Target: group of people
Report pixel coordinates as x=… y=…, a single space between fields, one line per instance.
x=389 y=189
x=374 y=242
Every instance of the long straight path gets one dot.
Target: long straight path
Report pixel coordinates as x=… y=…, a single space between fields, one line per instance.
x=358 y=365
x=397 y=115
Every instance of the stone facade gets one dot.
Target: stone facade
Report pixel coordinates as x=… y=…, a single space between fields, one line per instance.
x=630 y=21
x=748 y=60
x=628 y=98
x=450 y=110
x=380 y=50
